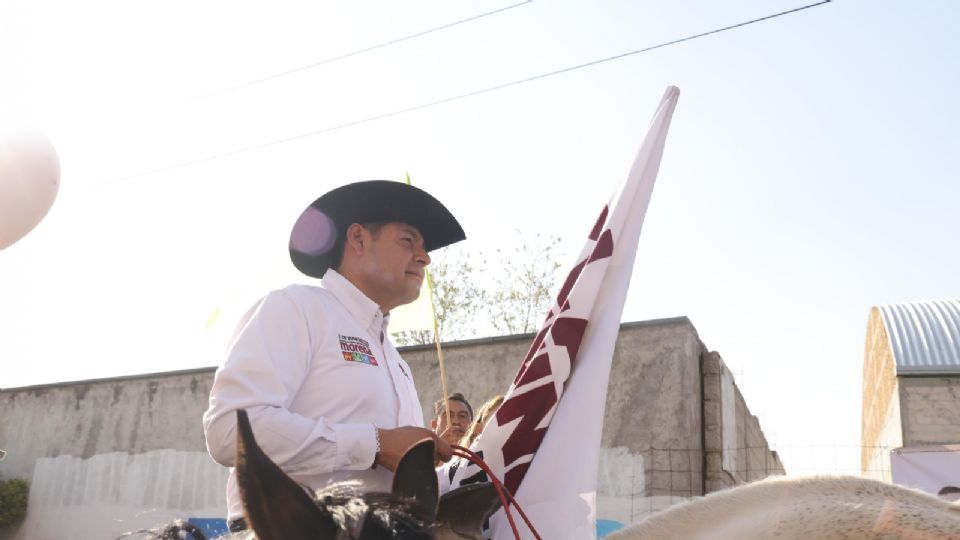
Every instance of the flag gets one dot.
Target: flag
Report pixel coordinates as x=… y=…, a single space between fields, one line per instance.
x=544 y=441
x=417 y=315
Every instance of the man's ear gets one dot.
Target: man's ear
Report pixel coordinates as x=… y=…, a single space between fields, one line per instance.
x=354 y=237
x=433 y=424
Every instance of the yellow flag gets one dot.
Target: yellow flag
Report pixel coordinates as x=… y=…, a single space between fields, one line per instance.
x=417 y=315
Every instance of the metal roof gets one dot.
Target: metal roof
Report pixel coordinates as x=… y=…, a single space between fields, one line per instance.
x=924 y=336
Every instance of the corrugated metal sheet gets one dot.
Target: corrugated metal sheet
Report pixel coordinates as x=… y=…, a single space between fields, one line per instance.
x=107 y=495
x=924 y=336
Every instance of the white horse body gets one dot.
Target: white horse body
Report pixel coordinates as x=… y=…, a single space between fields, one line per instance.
x=822 y=507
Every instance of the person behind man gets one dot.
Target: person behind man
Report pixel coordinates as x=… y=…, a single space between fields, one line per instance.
x=488 y=409
x=446 y=472
x=461 y=413
x=327 y=394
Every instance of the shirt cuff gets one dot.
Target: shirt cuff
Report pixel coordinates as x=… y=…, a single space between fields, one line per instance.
x=356 y=446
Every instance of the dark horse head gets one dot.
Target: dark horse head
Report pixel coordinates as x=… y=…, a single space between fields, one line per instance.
x=277 y=508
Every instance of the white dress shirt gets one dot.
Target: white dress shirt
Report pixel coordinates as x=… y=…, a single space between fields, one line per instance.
x=316 y=371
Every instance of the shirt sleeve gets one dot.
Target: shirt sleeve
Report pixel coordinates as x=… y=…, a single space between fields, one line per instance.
x=269 y=357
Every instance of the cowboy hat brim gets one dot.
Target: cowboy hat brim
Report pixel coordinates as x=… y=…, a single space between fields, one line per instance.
x=318 y=234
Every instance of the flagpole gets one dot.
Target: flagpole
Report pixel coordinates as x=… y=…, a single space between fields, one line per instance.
x=436 y=339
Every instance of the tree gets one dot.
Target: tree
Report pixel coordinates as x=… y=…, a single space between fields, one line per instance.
x=457 y=297
x=14 y=493
x=524 y=291
x=514 y=300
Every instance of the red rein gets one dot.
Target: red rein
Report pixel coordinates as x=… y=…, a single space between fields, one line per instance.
x=505 y=496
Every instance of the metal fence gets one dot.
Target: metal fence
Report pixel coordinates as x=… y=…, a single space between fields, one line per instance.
x=635 y=485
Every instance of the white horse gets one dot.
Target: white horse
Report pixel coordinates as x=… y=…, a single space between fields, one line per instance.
x=818 y=507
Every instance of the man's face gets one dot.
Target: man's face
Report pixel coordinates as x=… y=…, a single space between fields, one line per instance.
x=459 y=421
x=394 y=265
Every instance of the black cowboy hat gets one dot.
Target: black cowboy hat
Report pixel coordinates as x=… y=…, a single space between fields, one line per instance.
x=317 y=239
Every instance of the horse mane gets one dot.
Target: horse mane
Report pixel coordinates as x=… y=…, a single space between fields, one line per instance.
x=363 y=514
x=177 y=530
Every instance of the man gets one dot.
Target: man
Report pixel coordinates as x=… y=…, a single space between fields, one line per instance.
x=327 y=394
x=487 y=410
x=461 y=414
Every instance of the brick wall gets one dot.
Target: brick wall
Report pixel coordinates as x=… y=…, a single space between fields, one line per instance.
x=930 y=408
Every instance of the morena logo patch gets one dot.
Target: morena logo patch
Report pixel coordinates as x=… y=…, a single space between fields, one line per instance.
x=357 y=350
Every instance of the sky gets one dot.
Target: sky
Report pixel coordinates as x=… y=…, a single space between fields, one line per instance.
x=809 y=174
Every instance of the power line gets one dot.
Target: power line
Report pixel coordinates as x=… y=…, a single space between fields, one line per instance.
x=361 y=51
x=459 y=96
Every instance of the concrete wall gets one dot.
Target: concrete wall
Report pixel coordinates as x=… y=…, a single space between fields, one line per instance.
x=930 y=409
x=652 y=427
x=107 y=494
x=110 y=456
x=735 y=448
x=115 y=455
x=82 y=419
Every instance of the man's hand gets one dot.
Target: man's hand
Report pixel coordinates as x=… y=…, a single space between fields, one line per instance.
x=394 y=443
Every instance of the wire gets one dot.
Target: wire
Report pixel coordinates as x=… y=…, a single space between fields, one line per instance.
x=457 y=97
x=360 y=51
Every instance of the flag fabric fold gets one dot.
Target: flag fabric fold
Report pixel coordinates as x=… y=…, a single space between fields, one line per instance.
x=544 y=441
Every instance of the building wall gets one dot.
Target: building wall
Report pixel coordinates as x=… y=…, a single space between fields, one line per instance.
x=735 y=448
x=132 y=448
x=107 y=494
x=876 y=463
x=110 y=456
x=879 y=399
x=83 y=419
x=930 y=409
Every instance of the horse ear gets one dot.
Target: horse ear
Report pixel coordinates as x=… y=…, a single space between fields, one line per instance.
x=464 y=509
x=276 y=507
x=416 y=480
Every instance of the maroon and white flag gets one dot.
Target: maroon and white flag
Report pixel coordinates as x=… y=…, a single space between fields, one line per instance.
x=544 y=441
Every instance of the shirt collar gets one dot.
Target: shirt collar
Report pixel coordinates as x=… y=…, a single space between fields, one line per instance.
x=363 y=309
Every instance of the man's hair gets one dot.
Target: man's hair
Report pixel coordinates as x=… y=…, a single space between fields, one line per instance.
x=340 y=243
x=439 y=407
x=487 y=409
x=484 y=413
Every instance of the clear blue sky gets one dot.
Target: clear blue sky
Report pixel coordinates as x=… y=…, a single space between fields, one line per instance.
x=810 y=172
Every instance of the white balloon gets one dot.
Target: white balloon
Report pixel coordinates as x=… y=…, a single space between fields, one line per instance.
x=29 y=180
